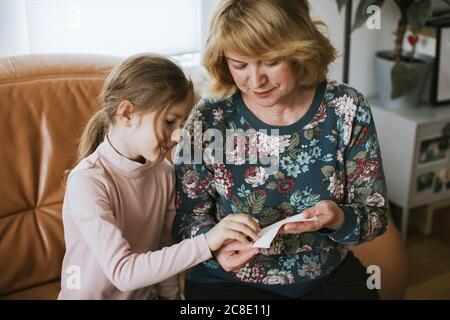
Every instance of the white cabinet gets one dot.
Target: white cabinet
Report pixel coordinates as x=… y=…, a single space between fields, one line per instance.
x=415 y=152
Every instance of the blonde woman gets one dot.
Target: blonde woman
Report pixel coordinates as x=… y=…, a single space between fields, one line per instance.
x=120 y=198
x=268 y=62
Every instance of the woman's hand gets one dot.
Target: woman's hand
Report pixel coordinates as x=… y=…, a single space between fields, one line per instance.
x=328 y=214
x=232 y=227
x=235 y=255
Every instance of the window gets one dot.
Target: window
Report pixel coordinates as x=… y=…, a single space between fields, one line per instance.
x=115 y=27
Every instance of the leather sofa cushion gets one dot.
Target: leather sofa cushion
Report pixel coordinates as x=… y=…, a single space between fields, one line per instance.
x=45 y=101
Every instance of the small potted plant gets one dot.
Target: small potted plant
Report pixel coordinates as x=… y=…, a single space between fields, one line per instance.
x=400 y=75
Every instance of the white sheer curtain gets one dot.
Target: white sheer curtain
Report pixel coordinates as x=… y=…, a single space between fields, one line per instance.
x=114 y=27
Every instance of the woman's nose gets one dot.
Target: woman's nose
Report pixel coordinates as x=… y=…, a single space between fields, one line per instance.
x=257 y=78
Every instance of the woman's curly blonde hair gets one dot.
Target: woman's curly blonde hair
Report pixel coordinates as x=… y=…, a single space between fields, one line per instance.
x=267 y=30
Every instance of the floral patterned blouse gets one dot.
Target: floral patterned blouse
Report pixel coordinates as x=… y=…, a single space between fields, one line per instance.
x=331 y=153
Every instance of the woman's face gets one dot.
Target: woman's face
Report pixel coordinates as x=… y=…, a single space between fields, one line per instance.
x=265 y=83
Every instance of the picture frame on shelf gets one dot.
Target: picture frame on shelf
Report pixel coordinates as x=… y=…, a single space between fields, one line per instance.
x=442 y=183
x=438 y=185
x=425 y=181
x=440 y=82
x=433 y=149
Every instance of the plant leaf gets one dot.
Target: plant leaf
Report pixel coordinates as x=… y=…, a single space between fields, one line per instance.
x=286 y=207
x=403 y=4
x=361 y=14
x=361 y=155
x=307 y=238
x=242 y=206
x=323 y=256
x=311 y=200
x=327 y=171
x=418 y=13
x=342 y=3
x=296 y=198
x=295 y=140
x=278 y=175
x=317 y=131
x=256 y=201
x=351 y=167
x=271 y=185
x=293 y=154
x=267 y=217
x=309 y=134
x=405 y=77
x=363 y=193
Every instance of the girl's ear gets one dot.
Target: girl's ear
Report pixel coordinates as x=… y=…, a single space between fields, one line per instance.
x=125 y=113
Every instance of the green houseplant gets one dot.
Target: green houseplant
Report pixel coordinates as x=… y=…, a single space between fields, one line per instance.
x=402 y=72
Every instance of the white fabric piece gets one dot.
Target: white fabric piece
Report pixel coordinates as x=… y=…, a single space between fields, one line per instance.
x=267 y=234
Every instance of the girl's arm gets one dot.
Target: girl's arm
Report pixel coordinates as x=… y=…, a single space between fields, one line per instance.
x=89 y=208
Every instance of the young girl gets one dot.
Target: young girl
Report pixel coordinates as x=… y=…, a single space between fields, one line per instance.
x=119 y=202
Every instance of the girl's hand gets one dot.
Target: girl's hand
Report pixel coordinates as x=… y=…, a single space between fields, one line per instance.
x=232 y=227
x=235 y=255
x=329 y=216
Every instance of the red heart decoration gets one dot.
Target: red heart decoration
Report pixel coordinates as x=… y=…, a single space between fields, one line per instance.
x=413 y=39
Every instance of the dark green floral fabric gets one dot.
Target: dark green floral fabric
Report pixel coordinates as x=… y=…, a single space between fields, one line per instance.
x=331 y=153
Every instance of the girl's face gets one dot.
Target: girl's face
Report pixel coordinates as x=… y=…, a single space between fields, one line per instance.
x=144 y=137
x=264 y=83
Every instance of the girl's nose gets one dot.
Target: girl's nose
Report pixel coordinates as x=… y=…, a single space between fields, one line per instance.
x=175 y=137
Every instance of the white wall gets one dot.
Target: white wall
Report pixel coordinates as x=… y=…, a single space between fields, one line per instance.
x=208 y=7
x=13 y=30
x=13 y=26
x=326 y=10
x=364 y=44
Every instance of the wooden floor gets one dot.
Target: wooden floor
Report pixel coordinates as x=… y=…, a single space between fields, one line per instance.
x=428 y=267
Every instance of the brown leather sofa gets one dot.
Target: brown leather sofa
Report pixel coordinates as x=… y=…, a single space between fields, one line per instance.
x=45 y=101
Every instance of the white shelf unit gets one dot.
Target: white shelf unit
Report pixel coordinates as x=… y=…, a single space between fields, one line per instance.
x=412 y=176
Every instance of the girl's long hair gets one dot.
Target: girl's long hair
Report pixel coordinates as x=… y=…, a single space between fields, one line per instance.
x=150 y=82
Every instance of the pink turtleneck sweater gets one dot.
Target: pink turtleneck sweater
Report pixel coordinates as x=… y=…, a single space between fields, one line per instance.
x=117 y=217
